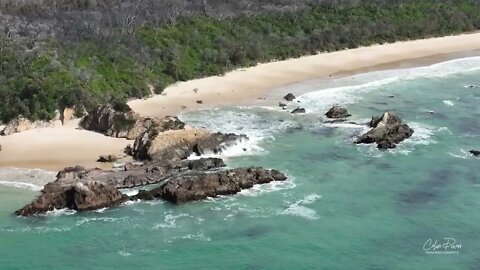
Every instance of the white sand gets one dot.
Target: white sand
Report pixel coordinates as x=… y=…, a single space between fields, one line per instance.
x=55 y=148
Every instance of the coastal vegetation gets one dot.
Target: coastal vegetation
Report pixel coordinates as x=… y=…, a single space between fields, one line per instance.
x=58 y=54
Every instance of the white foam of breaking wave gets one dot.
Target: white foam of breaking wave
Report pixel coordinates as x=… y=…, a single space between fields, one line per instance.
x=258 y=124
x=200 y=236
x=463 y=154
x=423 y=134
x=101 y=210
x=130 y=191
x=321 y=100
x=124 y=253
x=299 y=209
x=449 y=103
x=169 y=221
x=197 y=236
x=242 y=147
x=31 y=179
x=89 y=220
x=29 y=186
x=39 y=229
x=60 y=212
x=273 y=186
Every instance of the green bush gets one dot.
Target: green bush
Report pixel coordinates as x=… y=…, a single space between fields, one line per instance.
x=39 y=77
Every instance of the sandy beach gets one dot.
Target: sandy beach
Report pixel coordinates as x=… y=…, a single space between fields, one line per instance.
x=55 y=148
x=252 y=85
x=58 y=147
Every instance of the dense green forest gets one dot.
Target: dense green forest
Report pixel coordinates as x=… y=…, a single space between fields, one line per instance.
x=56 y=54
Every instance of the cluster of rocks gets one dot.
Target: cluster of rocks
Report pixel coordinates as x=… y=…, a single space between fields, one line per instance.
x=336 y=112
x=163 y=146
x=199 y=186
x=180 y=144
x=289 y=98
x=83 y=189
x=387 y=130
x=126 y=123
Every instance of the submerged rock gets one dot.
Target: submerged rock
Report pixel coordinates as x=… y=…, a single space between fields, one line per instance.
x=199 y=186
x=475 y=153
x=289 y=97
x=124 y=123
x=387 y=130
x=298 y=110
x=337 y=112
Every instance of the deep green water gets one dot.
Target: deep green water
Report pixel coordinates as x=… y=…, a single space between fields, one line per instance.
x=343 y=207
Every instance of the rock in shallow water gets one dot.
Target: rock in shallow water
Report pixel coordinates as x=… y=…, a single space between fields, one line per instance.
x=387 y=131
x=298 y=110
x=77 y=196
x=83 y=189
x=199 y=186
x=337 y=112
x=176 y=145
x=289 y=97
x=475 y=153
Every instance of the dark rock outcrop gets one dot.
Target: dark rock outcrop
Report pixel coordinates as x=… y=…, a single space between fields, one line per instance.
x=83 y=189
x=216 y=142
x=298 y=110
x=282 y=105
x=179 y=144
x=107 y=158
x=475 y=153
x=125 y=123
x=199 y=186
x=337 y=112
x=205 y=164
x=387 y=131
x=289 y=97
x=76 y=196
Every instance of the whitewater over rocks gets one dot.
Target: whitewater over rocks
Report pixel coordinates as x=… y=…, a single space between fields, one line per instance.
x=387 y=130
x=163 y=146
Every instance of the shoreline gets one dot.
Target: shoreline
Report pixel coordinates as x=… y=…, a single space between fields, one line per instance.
x=252 y=86
x=263 y=84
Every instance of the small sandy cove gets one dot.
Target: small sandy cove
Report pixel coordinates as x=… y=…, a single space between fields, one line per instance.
x=55 y=148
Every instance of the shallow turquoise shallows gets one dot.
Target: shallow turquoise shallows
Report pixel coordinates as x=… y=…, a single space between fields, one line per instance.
x=345 y=206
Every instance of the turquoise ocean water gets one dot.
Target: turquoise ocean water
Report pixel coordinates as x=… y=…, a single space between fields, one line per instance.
x=344 y=206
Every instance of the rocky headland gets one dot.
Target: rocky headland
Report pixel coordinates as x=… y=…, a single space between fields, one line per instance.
x=160 y=151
